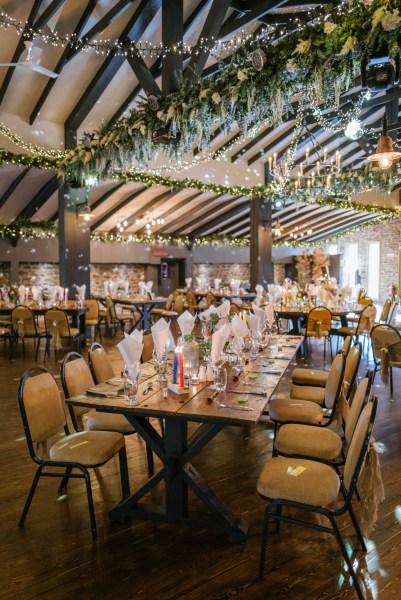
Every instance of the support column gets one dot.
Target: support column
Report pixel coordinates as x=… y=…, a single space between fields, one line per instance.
x=172 y=35
x=261 y=267
x=74 y=240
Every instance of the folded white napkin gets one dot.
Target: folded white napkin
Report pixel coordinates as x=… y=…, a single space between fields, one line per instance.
x=170 y=345
x=205 y=315
x=60 y=292
x=219 y=338
x=186 y=322
x=188 y=281
x=105 y=287
x=149 y=286
x=126 y=288
x=160 y=335
x=21 y=293
x=142 y=287
x=81 y=290
x=53 y=293
x=224 y=309
x=253 y=322
x=259 y=289
x=36 y=290
x=131 y=351
x=259 y=312
x=136 y=335
x=238 y=327
x=217 y=282
x=269 y=310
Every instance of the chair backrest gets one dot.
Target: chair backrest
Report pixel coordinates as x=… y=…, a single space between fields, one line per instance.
x=352 y=365
x=359 y=445
x=169 y=302
x=191 y=299
x=385 y=336
x=319 y=317
x=76 y=378
x=41 y=408
x=361 y=294
x=366 y=319
x=355 y=409
x=93 y=313
x=334 y=381
x=58 y=316
x=210 y=298
x=111 y=309
x=347 y=345
x=23 y=321
x=179 y=303
x=235 y=309
x=365 y=301
x=148 y=346
x=385 y=311
x=99 y=363
x=392 y=314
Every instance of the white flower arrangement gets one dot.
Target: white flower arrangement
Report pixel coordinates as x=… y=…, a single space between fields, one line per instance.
x=216 y=98
x=329 y=27
x=303 y=46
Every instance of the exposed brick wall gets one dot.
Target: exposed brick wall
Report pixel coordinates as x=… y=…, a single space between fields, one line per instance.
x=389 y=236
x=225 y=271
x=115 y=272
x=4 y=273
x=278 y=273
x=42 y=274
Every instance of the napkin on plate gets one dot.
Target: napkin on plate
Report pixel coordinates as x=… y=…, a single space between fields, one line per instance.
x=219 y=338
x=136 y=335
x=253 y=322
x=149 y=286
x=269 y=310
x=259 y=289
x=238 y=327
x=36 y=290
x=142 y=287
x=205 y=315
x=259 y=312
x=21 y=294
x=186 y=322
x=188 y=281
x=81 y=290
x=217 y=282
x=60 y=293
x=224 y=309
x=160 y=336
x=131 y=351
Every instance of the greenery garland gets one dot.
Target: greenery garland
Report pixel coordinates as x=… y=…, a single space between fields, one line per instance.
x=26 y=228
x=324 y=54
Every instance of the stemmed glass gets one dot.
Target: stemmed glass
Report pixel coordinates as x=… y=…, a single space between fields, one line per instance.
x=132 y=376
x=161 y=366
x=217 y=362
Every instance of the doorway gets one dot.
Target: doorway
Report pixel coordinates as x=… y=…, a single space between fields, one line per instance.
x=171 y=275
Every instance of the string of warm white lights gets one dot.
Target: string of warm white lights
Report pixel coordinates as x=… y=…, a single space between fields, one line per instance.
x=28 y=147
x=140 y=47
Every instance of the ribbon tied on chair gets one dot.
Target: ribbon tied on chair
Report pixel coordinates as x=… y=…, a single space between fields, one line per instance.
x=384 y=364
x=55 y=335
x=21 y=328
x=342 y=408
x=370 y=488
x=318 y=329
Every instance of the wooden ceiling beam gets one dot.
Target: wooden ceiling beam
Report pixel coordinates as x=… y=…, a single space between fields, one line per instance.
x=176 y=209
x=119 y=206
x=172 y=35
x=43 y=195
x=259 y=9
x=13 y=186
x=331 y=229
x=215 y=224
x=150 y=205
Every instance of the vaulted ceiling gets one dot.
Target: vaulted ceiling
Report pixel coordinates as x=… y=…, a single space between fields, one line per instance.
x=94 y=88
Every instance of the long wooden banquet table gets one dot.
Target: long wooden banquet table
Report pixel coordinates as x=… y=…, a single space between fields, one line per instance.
x=177 y=449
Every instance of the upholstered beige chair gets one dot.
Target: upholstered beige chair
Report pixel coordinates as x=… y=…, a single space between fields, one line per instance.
x=318 y=325
x=191 y=301
x=44 y=421
x=316 y=377
x=148 y=346
x=315 y=489
x=287 y=410
x=76 y=378
x=323 y=443
x=211 y=299
x=58 y=328
x=317 y=394
x=117 y=319
x=92 y=318
x=168 y=311
x=24 y=326
x=386 y=346
x=385 y=313
x=99 y=363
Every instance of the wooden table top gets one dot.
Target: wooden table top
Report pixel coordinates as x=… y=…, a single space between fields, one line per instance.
x=195 y=406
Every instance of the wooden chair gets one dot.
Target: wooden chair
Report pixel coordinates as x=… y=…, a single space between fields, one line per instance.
x=58 y=328
x=43 y=418
x=24 y=325
x=316 y=490
x=192 y=303
x=235 y=309
x=211 y=299
x=117 y=319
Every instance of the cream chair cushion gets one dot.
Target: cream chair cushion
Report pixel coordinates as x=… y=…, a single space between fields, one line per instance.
x=299 y=439
x=317 y=485
x=309 y=377
x=88 y=448
x=307 y=392
x=99 y=421
x=285 y=409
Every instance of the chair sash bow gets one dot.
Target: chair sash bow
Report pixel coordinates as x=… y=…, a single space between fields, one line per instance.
x=370 y=487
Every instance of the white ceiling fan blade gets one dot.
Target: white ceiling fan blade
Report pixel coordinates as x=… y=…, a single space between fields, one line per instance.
x=44 y=71
x=9 y=64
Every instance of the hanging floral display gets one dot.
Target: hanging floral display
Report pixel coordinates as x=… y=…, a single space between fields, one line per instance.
x=304 y=269
x=321 y=263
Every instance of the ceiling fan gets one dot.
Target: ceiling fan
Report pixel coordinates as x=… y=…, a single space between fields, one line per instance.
x=32 y=61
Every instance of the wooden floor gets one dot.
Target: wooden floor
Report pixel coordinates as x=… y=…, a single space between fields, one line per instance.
x=54 y=557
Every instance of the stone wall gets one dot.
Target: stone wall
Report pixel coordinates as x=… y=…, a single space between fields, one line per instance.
x=115 y=272
x=4 y=273
x=42 y=274
x=389 y=236
x=278 y=273
x=224 y=271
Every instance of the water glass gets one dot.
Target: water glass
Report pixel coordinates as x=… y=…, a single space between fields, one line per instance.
x=220 y=379
x=254 y=349
x=131 y=383
x=161 y=366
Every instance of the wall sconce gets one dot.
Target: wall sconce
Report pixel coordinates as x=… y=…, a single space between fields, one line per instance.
x=83 y=212
x=277 y=230
x=385 y=154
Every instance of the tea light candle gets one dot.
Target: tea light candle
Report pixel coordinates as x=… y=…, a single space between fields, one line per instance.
x=66 y=296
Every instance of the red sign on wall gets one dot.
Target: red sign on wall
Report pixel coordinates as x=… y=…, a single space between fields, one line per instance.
x=162 y=252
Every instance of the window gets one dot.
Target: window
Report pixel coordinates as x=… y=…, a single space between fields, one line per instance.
x=350 y=265
x=373 y=270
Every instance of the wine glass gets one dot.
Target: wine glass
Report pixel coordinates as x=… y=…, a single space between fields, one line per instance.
x=132 y=376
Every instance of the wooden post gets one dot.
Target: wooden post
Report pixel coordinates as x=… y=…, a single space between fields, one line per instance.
x=172 y=36
x=74 y=241
x=261 y=268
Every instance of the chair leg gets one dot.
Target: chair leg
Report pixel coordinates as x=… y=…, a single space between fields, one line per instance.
x=30 y=496
x=90 y=501
x=64 y=482
x=264 y=542
x=347 y=559
x=391 y=382
x=122 y=456
x=357 y=528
